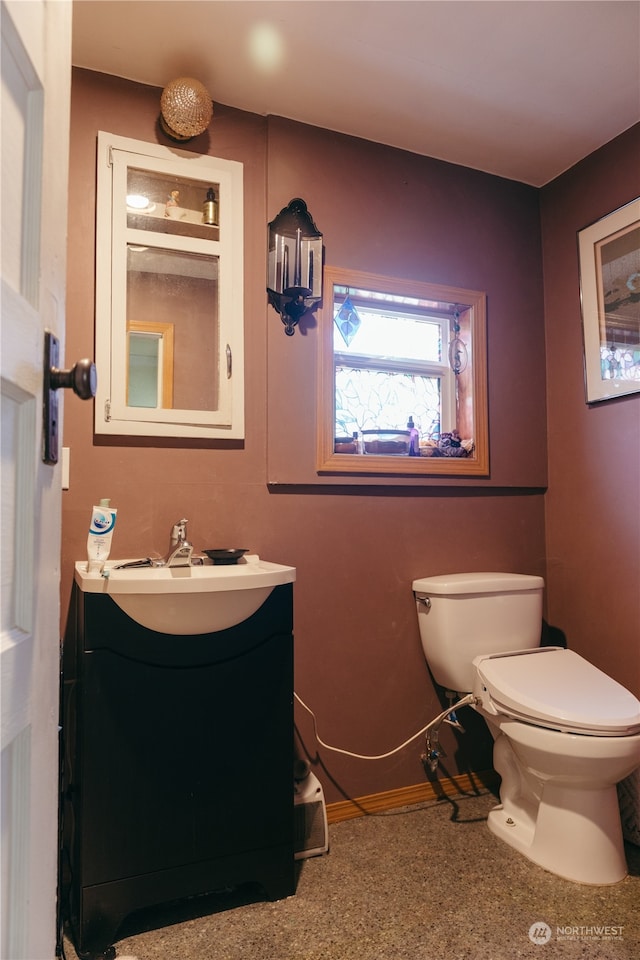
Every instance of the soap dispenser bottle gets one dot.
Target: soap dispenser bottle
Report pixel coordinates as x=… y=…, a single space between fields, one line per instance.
x=414 y=438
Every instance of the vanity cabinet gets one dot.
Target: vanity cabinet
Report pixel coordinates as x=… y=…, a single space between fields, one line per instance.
x=177 y=767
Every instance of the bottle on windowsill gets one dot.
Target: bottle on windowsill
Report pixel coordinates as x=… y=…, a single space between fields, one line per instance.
x=414 y=439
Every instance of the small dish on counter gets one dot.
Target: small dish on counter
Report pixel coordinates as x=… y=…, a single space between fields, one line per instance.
x=225 y=555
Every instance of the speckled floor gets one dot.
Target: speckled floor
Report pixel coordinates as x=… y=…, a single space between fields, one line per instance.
x=429 y=882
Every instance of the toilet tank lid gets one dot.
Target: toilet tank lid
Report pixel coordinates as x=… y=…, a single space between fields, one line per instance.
x=458 y=583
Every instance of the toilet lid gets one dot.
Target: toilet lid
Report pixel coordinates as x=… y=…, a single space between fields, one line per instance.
x=558 y=688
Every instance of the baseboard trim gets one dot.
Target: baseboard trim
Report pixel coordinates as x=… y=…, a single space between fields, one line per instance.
x=463 y=784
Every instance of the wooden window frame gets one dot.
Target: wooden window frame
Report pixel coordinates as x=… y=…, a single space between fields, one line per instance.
x=471 y=387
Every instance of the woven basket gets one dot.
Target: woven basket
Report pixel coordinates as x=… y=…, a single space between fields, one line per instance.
x=186 y=108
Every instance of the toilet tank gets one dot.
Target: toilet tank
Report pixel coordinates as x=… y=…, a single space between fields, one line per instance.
x=462 y=615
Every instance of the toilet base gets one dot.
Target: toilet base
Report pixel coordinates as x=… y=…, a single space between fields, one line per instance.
x=574 y=833
x=559 y=802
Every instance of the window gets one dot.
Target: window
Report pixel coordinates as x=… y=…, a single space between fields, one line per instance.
x=402 y=377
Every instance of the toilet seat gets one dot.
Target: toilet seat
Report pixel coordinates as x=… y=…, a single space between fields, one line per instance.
x=557 y=688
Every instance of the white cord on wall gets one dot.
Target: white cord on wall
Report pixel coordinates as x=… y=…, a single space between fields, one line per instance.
x=358 y=756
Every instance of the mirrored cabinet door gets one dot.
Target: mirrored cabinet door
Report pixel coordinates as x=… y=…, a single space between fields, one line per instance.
x=169 y=282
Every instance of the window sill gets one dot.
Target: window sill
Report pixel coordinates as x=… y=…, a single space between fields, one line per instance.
x=402 y=466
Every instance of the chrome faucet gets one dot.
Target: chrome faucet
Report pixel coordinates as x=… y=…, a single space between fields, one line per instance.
x=180 y=550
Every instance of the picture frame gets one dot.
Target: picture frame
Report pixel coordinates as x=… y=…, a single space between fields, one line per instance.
x=609 y=258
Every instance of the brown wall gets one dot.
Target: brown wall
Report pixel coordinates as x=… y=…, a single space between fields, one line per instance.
x=385 y=211
x=356 y=547
x=593 y=503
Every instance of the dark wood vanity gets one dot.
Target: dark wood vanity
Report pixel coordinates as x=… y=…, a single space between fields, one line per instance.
x=177 y=763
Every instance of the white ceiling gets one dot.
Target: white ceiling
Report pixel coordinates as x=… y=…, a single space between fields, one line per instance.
x=518 y=88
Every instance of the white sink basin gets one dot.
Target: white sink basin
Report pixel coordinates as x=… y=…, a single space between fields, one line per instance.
x=187 y=600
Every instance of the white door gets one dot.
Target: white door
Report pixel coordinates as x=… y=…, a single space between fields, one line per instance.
x=36 y=75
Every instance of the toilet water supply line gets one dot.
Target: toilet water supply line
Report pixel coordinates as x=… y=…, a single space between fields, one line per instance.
x=433 y=750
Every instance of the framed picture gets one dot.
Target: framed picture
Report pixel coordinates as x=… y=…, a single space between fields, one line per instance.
x=609 y=252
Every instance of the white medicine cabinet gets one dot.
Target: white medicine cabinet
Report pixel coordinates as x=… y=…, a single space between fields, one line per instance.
x=169 y=292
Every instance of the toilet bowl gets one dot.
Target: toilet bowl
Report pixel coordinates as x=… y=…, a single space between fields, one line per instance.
x=564 y=732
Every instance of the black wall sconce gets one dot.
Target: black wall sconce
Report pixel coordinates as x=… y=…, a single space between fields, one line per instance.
x=294 y=269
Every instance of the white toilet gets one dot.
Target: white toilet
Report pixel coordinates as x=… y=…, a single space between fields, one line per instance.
x=565 y=733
